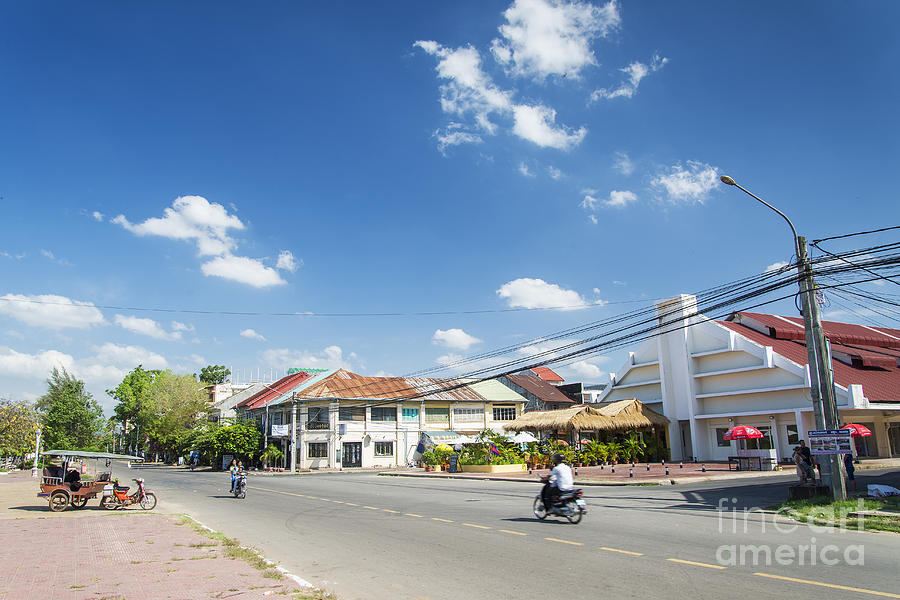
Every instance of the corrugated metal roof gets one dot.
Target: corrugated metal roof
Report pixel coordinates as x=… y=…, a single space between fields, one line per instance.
x=275 y=390
x=547 y=374
x=540 y=388
x=874 y=364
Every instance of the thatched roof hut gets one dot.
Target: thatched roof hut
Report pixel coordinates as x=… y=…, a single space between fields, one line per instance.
x=605 y=416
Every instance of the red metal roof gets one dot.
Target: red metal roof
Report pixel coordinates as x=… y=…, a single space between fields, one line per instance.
x=540 y=388
x=345 y=384
x=862 y=355
x=275 y=390
x=547 y=374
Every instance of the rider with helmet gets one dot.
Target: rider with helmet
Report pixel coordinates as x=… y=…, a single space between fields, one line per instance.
x=559 y=480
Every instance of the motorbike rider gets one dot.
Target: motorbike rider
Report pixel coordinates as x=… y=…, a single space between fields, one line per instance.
x=558 y=481
x=239 y=472
x=234 y=469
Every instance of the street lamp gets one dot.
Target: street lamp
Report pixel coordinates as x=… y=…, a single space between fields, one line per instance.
x=820 y=375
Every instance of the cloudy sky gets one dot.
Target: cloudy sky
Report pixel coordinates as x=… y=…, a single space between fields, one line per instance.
x=295 y=184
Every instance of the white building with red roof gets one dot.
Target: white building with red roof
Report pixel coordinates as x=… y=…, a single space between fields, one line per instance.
x=752 y=369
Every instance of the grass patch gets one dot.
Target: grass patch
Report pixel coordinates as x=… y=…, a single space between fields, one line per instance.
x=204 y=545
x=77 y=587
x=313 y=595
x=273 y=574
x=822 y=511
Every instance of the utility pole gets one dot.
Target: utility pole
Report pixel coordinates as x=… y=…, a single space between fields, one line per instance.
x=821 y=385
x=820 y=374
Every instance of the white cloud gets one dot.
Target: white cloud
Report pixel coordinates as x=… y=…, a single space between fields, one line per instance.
x=454 y=338
x=49 y=255
x=331 y=357
x=50 y=311
x=687 y=185
x=537 y=124
x=778 y=266
x=176 y=326
x=523 y=169
x=619 y=283
x=617 y=199
x=552 y=37
x=32 y=366
x=243 y=270
x=468 y=91
x=588 y=370
x=16 y=334
x=5 y=254
x=537 y=293
x=98 y=216
x=554 y=173
x=287 y=261
x=636 y=71
x=253 y=335
x=623 y=163
x=147 y=327
x=191 y=218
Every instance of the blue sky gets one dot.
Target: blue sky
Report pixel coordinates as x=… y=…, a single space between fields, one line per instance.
x=410 y=157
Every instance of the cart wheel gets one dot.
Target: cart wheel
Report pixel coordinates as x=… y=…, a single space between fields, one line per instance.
x=59 y=501
x=79 y=501
x=148 y=501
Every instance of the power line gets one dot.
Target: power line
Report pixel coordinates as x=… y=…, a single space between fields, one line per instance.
x=846 y=235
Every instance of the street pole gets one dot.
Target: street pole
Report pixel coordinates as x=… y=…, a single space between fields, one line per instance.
x=820 y=374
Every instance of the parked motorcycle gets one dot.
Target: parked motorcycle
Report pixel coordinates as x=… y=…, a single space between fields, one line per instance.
x=240 y=486
x=116 y=496
x=569 y=505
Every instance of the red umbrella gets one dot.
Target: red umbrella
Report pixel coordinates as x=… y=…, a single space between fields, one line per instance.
x=742 y=432
x=857 y=430
x=585 y=442
x=562 y=442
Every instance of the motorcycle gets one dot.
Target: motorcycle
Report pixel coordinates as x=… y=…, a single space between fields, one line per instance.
x=569 y=505
x=116 y=496
x=240 y=486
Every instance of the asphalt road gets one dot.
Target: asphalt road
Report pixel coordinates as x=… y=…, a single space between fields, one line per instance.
x=370 y=537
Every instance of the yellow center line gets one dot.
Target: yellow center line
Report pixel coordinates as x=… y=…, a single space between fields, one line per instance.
x=372 y=507
x=476 y=526
x=512 y=532
x=441 y=520
x=621 y=551
x=830 y=585
x=325 y=499
x=350 y=504
x=396 y=512
x=338 y=501
x=696 y=564
x=413 y=515
x=275 y=491
x=564 y=541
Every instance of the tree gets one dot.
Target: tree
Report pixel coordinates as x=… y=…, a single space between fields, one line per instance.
x=70 y=418
x=135 y=408
x=214 y=374
x=178 y=406
x=242 y=439
x=19 y=422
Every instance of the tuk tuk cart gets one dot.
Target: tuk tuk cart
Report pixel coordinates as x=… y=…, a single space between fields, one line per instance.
x=68 y=484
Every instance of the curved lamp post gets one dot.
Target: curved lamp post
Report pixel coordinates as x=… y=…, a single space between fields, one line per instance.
x=821 y=382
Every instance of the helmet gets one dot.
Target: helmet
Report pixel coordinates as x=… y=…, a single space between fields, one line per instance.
x=557 y=458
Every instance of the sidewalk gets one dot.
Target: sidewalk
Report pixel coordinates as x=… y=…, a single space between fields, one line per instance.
x=94 y=553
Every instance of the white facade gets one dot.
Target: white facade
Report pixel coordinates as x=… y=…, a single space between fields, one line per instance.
x=707 y=378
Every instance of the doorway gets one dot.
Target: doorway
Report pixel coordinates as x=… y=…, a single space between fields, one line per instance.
x=894 y=437
x=351 y=456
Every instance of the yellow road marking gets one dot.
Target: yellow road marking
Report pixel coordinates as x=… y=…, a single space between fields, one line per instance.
x=350 y=504
x=275 y=491
x=441 y=520
x=477 y=526
x=696 y=564
x=396 y=512
x=413 y=515
x=830 y=585
x=338 y=501
x=325 y=499
x=621 y=551
x=512 y=532
x=372 y=507
x=564 y=541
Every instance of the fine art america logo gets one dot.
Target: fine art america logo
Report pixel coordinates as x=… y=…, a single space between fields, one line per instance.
x=798 y=545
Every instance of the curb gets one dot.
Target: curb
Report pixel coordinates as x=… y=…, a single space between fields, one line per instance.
x=594 y=482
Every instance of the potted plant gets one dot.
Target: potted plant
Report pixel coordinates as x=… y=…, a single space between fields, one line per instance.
x=271 y=455
x=613 y=452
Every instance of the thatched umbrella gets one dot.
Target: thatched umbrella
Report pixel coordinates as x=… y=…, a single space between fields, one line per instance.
x=606 y=416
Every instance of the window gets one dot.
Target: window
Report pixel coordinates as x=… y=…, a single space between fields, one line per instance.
x=504 y=412
x=278 y=418
x=384 y=413
x=468 y=414
x=793 y=435
x=410 y=415
x=352 y=413
x=317 y=417
x=720 y=437
x=763 y=443
x=437 y=415
x=317 y=450
x=384 y=448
